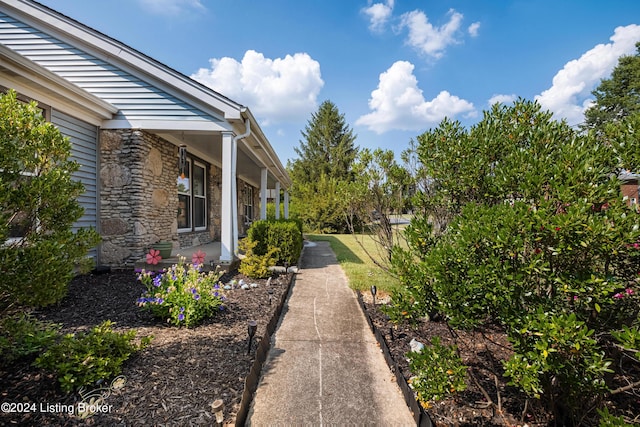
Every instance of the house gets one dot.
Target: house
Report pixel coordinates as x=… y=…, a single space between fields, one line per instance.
x=163 y=158
x=630 y=187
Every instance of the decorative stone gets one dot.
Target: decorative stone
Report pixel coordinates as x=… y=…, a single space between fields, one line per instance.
x=139 y=229
x=160 y=198
x=416 y=346
x=113 y=254
x=245 y=287
x=110 y=141
x=113 y=227
x=154 y=162
x=115 y=176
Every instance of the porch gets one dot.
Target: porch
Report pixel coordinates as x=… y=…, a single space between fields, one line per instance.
x=212 y=252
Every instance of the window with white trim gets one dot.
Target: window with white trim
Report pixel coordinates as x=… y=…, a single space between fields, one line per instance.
x=248 y=204
x=192 y=197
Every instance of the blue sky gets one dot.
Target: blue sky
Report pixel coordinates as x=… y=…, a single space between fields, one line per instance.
x=394 y=68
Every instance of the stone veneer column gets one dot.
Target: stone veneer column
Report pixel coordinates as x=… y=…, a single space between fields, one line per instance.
x=138 y=203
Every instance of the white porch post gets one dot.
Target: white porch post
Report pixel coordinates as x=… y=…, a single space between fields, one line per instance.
x=263 y=194
x=234 y=195
x=286 y=204
x=226 y=215
x=277 y=200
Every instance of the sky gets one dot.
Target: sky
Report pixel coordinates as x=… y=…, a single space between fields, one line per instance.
x=393 y=68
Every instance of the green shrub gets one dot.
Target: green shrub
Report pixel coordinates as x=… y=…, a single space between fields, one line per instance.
x=283 y=234
x=23 y=336
x=438 y=372
x=82 y=359
x=253 y=265
x=39 y=201
x=182 y=295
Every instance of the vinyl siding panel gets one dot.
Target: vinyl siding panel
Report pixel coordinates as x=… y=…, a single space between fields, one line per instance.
x=135 y=98
x=84 y=150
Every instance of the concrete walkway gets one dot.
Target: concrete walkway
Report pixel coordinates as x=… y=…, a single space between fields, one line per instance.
x=324 y=366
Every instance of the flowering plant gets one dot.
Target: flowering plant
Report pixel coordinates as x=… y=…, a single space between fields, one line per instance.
x=182 y=294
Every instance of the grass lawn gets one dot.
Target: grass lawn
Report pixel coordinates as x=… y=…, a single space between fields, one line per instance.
x=359 y=268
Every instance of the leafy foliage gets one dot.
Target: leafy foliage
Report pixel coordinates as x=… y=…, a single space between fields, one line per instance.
x=284 y=235
x=182 y=295
x=23 y=336
x=617 y=97
x=325 y=162
x=254 y=265
x=38 y=207
x=438 y=370
x=538 y=239
x=82 y=359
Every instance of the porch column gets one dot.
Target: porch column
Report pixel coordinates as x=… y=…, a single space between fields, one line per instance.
x=277 y=200
x=263 y=193
x=234 y=195
x=286 y=204
x=226 y=215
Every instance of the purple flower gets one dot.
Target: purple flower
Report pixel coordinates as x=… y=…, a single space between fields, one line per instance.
x=215 y=294
x=159 y=300
x=216 y=286
x=180 y=317
x=181 y=309
x=157 y=280
x=194 y=291
x=196 y=297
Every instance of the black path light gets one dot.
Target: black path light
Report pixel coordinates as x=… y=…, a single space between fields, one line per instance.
x=374 y=291
x=270 y=293
x=251 y=329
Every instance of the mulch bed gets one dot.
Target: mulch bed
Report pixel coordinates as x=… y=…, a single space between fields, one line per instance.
x=171 y=382
x=175 y=380
x=483 y=353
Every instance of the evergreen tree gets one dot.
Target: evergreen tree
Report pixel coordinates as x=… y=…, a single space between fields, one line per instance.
x=618 y=96
x=327 y=149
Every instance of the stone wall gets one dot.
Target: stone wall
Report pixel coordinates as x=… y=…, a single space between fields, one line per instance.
x=137 y=205
x=139 y=198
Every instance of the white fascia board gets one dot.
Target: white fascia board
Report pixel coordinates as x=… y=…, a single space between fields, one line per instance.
x=167 y=125
x=266 y=153
x=36 y=82
x=117 y=53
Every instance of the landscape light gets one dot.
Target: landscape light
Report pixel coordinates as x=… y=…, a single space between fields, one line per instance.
x=253 y=325
x=374 y=291
x=218 y=410
x=270 y=292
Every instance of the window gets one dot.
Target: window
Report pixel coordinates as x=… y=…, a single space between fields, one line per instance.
x=248 y=205
x=192 y=197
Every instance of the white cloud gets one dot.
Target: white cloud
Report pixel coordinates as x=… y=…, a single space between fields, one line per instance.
x=473 y=29
x=570 y=93
x=398 y=103
x=171 y=7
x=502 y=99
x=276 y=90
x=428 y=39
x=379 y=14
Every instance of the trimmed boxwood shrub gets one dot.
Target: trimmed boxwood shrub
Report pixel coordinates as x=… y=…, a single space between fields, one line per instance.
x=282 y=234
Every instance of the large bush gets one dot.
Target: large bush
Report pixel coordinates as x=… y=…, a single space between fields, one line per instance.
x=540 y=241
x=285 y=235
x=38 y=207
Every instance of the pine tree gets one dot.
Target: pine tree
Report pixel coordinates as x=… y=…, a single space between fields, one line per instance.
x=327 y=149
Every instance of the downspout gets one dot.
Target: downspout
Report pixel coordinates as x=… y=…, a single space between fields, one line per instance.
x=234 y=182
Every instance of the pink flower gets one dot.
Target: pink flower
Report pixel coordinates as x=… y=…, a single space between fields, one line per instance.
x=619 y=295
x=575 y=297
x=198 y=258
x=628 y=291
x=153 y=257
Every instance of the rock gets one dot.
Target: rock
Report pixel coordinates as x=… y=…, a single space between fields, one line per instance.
x=245 y=287
x=154 y=162
x=115 y=176
x=254 y=285
x=160 y=198
x=113 y=227
x=113 y=254
x=416 y=346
